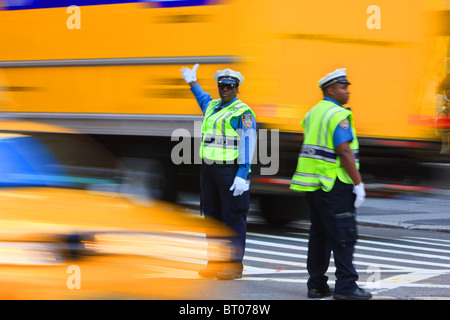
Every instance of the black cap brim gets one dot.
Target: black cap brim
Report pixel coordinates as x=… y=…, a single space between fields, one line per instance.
x=228 y=80
x=341 y=79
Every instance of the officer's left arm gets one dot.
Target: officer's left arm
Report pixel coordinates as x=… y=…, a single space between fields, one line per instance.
x=342 y=133
x=348 y=161
x=342 y=137
x=245 y=125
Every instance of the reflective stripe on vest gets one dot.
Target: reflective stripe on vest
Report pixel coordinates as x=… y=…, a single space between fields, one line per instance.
x=318 y=164
x=322 y=153
x=220 y=141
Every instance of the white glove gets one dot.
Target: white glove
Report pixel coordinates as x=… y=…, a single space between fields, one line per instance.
x=188 y=74
x=360 y=194
x=239 y=186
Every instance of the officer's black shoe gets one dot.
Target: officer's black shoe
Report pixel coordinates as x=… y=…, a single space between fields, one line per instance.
x=231 y=271
x=359 y=294
x=320 y=293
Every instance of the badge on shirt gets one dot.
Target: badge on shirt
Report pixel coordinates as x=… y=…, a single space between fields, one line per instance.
x=344 y=124
x=247 y=120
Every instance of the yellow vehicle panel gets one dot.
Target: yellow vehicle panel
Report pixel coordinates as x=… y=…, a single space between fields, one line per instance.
x=61 y=211
x=281 y=48
x=137 y=251
x=108 y=278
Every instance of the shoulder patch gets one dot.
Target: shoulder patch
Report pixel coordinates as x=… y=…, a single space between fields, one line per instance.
x=247 y=120
x=344 y=123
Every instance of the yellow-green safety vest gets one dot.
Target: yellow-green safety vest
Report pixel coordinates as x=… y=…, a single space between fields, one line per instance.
x=220 y=141
x=318 y=164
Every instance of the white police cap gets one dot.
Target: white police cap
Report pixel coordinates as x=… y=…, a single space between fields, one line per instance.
x=228 y=76
x=339 y=75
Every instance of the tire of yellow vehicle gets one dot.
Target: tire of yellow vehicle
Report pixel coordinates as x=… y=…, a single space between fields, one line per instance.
x=162 y=180
x=280 y=210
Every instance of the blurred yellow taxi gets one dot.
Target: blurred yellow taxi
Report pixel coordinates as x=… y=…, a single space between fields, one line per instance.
x=71 y=229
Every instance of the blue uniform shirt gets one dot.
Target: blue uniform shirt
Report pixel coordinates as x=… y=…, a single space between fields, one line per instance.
x=343 y=133
x=247 y=135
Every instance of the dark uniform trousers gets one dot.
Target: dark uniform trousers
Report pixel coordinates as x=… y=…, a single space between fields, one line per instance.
x=333 y=228
x=218 y=202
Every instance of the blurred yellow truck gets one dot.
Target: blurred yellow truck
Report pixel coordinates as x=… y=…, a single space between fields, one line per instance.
x=110 y=69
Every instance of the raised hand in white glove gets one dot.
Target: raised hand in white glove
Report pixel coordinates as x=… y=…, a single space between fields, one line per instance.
x=360 y=194
x=188 y=74
x=239 y=186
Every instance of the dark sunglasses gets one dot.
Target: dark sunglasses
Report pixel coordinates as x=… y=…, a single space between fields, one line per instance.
x=229 y=86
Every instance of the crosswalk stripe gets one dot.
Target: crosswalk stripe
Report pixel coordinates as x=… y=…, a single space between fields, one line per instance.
x=275 y=261
x=416 y=262
x=407 y=253
x=356 y=255
x=410 y=260
x=430 y=239
x=356 y=262
x=300 y=256
x=392 y=251
x=387 y=244
x=331 y=270
x=277 y=253
x=289 y=263
x=408 y=284
x=276 y=245
x=361 y=241
x=428 y=243
x=270 y=236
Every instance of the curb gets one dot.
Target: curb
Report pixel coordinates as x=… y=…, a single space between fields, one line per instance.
x=386 y=224
x=402 y=225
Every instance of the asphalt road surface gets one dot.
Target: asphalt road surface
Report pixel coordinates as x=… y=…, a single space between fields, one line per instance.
x=392 y=264
x=398 y=260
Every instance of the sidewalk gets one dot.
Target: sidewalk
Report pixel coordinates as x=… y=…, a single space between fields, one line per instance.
x=430 y=212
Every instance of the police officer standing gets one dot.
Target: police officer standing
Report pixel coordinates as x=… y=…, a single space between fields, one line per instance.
x=228 y=143
x=328 y=170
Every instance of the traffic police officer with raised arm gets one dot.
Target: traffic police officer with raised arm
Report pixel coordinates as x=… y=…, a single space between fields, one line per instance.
x=328 y=170
x=228 y=143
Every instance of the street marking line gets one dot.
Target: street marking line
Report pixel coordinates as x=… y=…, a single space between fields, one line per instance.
x=356 y=255
x=402 y=276
x=356 y=262
x=429 y=298
x=277 y=262
x=274 y=279
x=249 y=270
x=415 y=262
x=432 y=239
x=276 y=245
x=406 y=246
x=277 y=253
x=362 y=247
x=428 y=243
x=331 y=283
x=360 y=241
x=409 y=280
x=405 y=253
